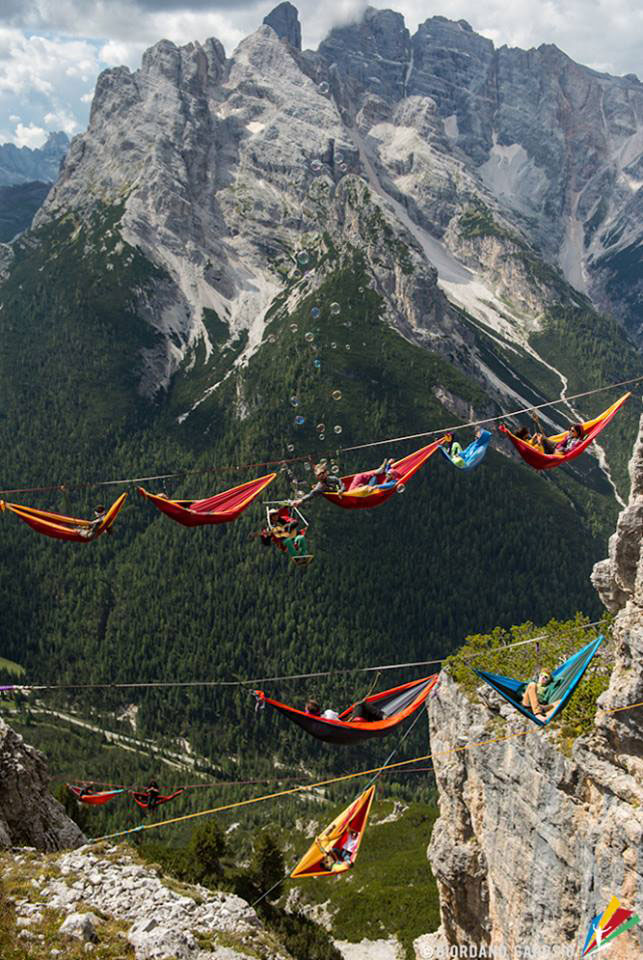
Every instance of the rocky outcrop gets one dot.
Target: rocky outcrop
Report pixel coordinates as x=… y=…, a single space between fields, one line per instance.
x=29 y=815
x=106 y=898
x=532 y=841
x=284 y=20
x=26 y=165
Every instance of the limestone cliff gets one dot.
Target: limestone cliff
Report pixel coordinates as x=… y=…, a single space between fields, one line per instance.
x=532 y=841
x=29 y=815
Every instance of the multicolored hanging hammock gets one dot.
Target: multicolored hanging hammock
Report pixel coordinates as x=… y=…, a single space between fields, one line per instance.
x=567 y=677
x=365 y=497
x=472 y=455
x=335 y=850
x=66 y=528
x=547 y=461
x=221 y=508
x=97 y=799
x=396 y=704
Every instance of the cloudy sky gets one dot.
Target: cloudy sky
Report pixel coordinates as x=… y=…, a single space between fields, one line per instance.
x=52 y=50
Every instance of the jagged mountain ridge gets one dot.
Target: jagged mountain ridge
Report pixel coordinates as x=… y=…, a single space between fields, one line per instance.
x=20 y=165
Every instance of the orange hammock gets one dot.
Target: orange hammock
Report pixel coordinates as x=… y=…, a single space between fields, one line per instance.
x=364 y=496
x=221 y=508
x=546 y=461
x=66 y=528
x=98 y=799
x=335 y=850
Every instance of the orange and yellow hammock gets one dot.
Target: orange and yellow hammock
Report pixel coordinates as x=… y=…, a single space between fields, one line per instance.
x=547 y=461
x=64 y=528
x=221 y=508
x=365 y=497
x=315 y=862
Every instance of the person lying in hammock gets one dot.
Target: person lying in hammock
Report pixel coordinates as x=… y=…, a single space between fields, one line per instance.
x=541 y=442
x=314 y=709
x=344 y=852
x=365 y=712
x=91 y=532
x=150 y=796
x=325 y=482
x=540 y=695
x=383 y=478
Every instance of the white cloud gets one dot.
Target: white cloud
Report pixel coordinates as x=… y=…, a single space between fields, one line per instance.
x=29 y=136
x=14 y=118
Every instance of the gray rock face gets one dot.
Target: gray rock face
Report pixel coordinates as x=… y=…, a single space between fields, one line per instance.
x=29 y=815
x=531 y=843
x=284 y=20
x=25 y=165
x=80 y=926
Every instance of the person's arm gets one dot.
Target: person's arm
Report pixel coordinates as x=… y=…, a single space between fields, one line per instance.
x=318 y=488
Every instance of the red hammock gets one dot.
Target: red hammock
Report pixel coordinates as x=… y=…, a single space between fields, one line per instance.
x=93 y=799
x=144 y=801
x=65 y=528
x=365 y=497
x=547 y=461
x=221 y=508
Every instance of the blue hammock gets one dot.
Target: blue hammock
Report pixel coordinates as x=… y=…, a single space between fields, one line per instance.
x=568 y=675
x=472 y=455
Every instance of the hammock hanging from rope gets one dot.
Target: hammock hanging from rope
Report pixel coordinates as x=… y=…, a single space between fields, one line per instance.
x=66 y=528
x=566 y=677
x=335 y=850
x=221 y=508
x=365 y=497
x=546 y=461
x=97 y=799
x=145 y=802
x=472 y=455
x=396 y=704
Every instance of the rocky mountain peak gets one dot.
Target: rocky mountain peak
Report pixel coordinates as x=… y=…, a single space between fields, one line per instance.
x=284 y=20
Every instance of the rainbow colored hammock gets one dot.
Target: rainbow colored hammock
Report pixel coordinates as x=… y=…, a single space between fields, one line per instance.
x=547 y=461
x=93 y=799
x=365 y=497
x=66 y=528
x=567 y=677
x=396 y=704
x=325 y=856
x=221 y=508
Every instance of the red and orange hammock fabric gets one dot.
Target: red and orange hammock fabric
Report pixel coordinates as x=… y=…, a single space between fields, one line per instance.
x=547 y=461
x=221 y=508
x=335 y=850
x=396 y=704
x=66 y=528
x=365 y=497
x=93 y=799
x=151 y=802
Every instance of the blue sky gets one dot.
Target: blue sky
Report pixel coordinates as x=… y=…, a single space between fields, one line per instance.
x=51 y=51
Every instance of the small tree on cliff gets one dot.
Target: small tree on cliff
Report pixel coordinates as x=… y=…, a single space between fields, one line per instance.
x=267 y=866
x=207 y=847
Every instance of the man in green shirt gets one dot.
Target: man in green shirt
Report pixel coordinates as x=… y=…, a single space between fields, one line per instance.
x=540 y=695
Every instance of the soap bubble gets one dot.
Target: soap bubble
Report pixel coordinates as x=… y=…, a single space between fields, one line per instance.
x=294 y=327
x=321 y=427
x=302 y=258
x=360 y=289
x=309 y=337
x=334 y=469
x=348 y=346
x=315 y=313
x=400 y=488
x=343 y=168
x=335 y=309
x=271 y=338
x=290 y=447
x=324 y=88
x=294 y=401
x=299 y=421
x=317 y=363
x=337 y=428
x=348 y=323
x=315 y=165
x=324 y=462
x=306 y=465
x=333 y=345
x=322 y=436
x=336 y=394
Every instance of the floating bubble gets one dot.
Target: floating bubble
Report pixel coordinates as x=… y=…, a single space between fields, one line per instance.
x=348 y=346
x=360 y=289
x=336 y=394
x=290 y=447
x=294 y=327
x=271 y=338
x=337 y=428
x=335 y=309
x=306 y=465
x=400 y=488
x=324 y=462
x=321 y=427
x=299 y=421
x=334 y=469
x=317 y=363
x=324 y=88
x=303 y=258
x=309 y=337
x=348 y=323
x=322 y=436
x=333 y=345
x=315 y=165
x=343 y=167
x=315 y=313
x=294 y=401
